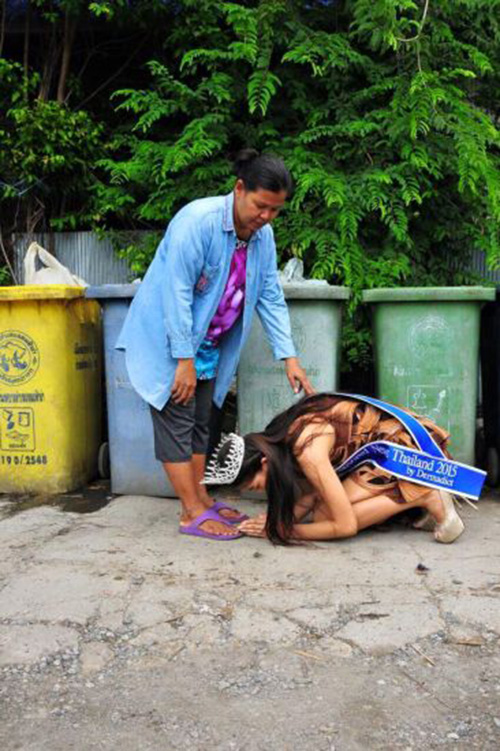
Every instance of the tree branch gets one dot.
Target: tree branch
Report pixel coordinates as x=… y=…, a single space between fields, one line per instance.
x=27 y=29
x=70 y=23
x=422 y=22
x=102 y=46
x=115 y=75
x=2 y=25
x=51 y=58
x=6 y=258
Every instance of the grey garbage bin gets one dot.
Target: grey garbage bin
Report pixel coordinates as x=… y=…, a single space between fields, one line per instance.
x=316 y=317
x=134 y=469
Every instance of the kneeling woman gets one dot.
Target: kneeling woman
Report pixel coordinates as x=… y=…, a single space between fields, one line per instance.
x=295 y=459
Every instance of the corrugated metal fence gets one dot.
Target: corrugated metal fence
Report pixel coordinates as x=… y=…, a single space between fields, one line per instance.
x=478 y=264
x=83 y=253
x=95 y=260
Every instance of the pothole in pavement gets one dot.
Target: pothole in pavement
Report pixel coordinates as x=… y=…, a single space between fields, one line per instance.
x=86 y=500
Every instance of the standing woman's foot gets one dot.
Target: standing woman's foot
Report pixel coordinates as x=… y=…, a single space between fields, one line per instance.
x=232 y=515
x=451 y=526
x=208 y=524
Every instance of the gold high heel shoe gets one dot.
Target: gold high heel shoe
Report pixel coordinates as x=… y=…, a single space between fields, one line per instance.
x=452 y=526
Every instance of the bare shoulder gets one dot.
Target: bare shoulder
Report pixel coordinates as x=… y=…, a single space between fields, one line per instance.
x=316 y=434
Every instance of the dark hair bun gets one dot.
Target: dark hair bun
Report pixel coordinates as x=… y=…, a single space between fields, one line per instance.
x=243 y=159
x=262 y=171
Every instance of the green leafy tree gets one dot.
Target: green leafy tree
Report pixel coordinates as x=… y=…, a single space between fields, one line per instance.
x=55 y=114
x=384 y=110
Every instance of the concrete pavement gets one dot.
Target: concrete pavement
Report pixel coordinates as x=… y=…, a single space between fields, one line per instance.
x=117 y=632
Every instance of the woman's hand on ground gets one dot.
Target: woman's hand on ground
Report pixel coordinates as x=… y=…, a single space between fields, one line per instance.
x=254 y=527
x=297 y=376
x=184 y=382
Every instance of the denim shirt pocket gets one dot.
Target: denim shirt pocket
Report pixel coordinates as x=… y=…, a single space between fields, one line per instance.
x=205 y=279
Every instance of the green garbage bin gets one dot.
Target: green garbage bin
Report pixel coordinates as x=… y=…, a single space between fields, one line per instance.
x=426 y=342
x=316 y=315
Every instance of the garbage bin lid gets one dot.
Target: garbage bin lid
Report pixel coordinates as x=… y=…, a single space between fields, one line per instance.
x=308 y=290
x=40 y=292
x=105 y=291
x=429 y=294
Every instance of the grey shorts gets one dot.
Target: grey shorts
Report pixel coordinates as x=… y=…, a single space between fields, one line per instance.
x=181 y=430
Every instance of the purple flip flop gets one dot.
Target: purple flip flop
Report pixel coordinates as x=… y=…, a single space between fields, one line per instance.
x=195 y=529
x=218 y=505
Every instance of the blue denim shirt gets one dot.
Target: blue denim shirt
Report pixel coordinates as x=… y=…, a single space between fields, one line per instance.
x=176 y=301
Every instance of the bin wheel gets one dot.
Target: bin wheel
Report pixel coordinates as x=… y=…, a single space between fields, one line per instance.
x=103 y=461
x=492 y=467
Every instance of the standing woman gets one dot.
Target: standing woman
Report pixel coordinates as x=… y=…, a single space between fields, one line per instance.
x=189 y=320
x=342 y=461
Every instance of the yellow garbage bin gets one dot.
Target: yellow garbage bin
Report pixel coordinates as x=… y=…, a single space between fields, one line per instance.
x=50 y=385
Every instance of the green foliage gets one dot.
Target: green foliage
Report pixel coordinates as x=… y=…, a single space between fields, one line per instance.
x=137 y=250
x=107 y=9
x=51 y=142
x=5 y=277
x=383 y=110
x=47 y=152
x=386 y=112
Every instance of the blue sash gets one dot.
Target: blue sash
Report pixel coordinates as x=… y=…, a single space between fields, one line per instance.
x=426 y=466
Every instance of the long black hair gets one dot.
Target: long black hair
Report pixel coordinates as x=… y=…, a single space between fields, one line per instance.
x=276 y=443
x=262 y=171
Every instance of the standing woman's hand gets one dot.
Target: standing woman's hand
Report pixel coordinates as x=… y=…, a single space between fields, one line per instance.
x=184 y=382
x=297 y=376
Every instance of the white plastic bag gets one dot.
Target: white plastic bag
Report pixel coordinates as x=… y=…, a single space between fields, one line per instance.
x=41 y=267
x=293 y=273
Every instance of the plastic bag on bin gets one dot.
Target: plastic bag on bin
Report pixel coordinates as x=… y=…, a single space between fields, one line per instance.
x=41 y=267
